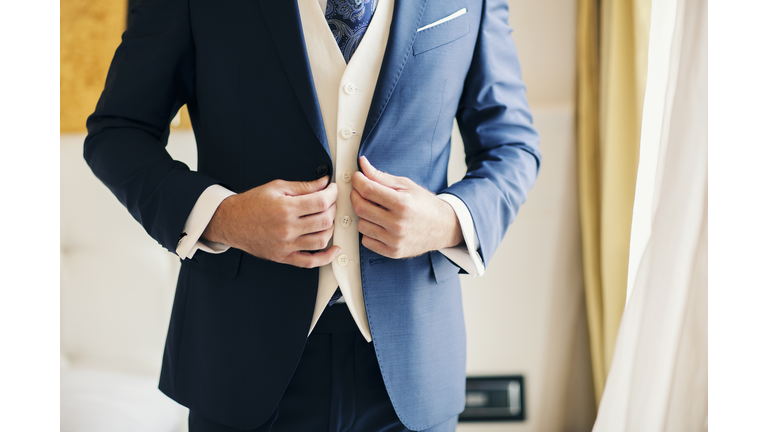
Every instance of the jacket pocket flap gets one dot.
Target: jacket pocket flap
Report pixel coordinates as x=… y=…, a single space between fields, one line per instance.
x=442 y=268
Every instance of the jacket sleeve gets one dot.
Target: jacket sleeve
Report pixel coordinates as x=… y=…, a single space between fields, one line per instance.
x=150 y=78
x=500 y=142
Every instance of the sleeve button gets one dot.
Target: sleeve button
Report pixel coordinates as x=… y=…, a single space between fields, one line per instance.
x=321 y=170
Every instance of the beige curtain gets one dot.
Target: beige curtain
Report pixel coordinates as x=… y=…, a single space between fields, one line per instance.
x=658 y=379
x=612 y=59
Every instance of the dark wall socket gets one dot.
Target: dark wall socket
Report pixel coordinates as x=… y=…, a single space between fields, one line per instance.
x=499 y=398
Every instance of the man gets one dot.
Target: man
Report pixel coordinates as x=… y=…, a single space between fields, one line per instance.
x=319 y=284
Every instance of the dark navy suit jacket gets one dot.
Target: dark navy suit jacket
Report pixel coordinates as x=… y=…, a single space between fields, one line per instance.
x=239 y=323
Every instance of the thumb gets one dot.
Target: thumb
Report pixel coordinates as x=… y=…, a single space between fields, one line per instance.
x=297 y=188
x=379 y=176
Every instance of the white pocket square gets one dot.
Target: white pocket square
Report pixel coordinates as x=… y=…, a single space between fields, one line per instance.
x=454 y=15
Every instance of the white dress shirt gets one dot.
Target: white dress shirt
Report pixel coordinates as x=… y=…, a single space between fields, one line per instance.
x=344 y=92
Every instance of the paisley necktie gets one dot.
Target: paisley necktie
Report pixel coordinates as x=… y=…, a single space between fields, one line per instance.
x=336 y=295
x=348 y=20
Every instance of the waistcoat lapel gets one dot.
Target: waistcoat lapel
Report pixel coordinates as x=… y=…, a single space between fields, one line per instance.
x=405 y=21
x=284 y=24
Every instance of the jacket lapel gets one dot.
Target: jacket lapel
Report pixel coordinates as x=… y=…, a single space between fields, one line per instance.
x=405 y=21
x=284 y=22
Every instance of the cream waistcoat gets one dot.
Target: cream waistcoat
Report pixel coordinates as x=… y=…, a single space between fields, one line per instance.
x=345 y=92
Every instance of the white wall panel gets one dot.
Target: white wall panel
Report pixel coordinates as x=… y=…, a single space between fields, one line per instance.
x=526 y=314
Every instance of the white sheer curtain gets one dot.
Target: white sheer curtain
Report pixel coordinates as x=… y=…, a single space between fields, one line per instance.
x=658 y=378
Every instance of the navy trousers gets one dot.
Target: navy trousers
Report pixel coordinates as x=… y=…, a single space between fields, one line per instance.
x=337 y=387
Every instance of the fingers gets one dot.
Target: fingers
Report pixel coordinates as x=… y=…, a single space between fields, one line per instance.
x=312 y=242
x=313 y=259
x=381 y=177
x=372 y=230
x=309 y=233
x=375 y=192
x=368 y=210
x=378 y=247
x=314 y=202
x=384 y=242
x=317 y=222
x=297 y=188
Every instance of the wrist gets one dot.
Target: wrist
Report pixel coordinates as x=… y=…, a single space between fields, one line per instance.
x=216 y=231
x=454 y=235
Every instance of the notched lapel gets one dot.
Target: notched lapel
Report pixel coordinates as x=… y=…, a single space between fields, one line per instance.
x=284 y=23
x=405 y=21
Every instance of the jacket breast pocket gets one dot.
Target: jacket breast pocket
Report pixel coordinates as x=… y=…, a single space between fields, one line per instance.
x=441 y=32
x=225 y=264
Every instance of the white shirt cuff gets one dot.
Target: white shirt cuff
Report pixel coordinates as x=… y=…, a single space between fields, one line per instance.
x=466 y=256
x=198 y=220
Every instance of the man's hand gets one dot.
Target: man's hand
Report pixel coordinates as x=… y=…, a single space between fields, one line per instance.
x=280 y=221
x=399 y=218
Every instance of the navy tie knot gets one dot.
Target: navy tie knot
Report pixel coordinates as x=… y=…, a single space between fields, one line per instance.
x=348 y=20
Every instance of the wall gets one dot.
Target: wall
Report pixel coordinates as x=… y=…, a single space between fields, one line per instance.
x=526 y=315
x=90 y=33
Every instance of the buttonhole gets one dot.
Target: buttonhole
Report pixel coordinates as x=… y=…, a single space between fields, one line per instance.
x=374 y=261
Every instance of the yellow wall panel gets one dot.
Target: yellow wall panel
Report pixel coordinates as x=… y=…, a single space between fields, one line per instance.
x=90 y=33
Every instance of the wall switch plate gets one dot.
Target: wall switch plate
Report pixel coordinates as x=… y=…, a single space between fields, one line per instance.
x=499 y=398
